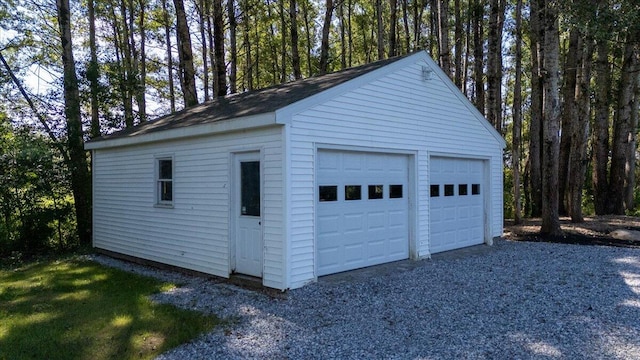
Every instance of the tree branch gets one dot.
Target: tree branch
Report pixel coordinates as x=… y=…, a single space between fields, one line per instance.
x=40 y=117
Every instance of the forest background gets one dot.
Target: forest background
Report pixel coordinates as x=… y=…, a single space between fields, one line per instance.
x=559 y=80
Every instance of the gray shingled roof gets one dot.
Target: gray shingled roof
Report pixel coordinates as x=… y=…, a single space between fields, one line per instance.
x=248 y=103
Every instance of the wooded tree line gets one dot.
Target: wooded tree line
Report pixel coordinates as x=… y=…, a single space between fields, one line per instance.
x=558 y=79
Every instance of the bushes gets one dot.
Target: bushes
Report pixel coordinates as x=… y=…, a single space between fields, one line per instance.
x=36 y=211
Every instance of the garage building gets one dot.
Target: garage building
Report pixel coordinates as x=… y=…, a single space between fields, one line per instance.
x=373 y=164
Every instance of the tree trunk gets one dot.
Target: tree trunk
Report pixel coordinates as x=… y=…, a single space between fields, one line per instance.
x=630 y=171
x=624 y=129
x=580 y=135
x=494 y=64
x=203 y=9
x=601 y=129
x=407 y=31
x=307 y=29
x=187 y=78
x=478 y=55
x=141 y=89
x=349 y=30
x=434 y=32
x=246 y=22
x=551 y=125
x=458 y=31
x=274 y=49
x=127 y=72
x=167 y=39
x=233 y=50
x=283 y=43
x=343 y=36
x=295 y=53
x=324 y=45
x=467 y=52
x=444 y=50
x=517 y=116
x=380 y=27
x=211 y=49
x=80 y=176
x=218 y=43
x=93 y=73
x=393 y=22
x=569 y=116
x=535 y=125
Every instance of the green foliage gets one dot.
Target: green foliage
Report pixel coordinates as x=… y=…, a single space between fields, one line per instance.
x=36 y=213
x=76 y=309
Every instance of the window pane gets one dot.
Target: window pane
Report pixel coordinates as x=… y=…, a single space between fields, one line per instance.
x=395 y=191
x=250 y=188
x=434 y=191
x=166 y=190
x=462 y=189
x=164 y=169
x=353 y=192
x=475 y=189
x=448 y=190
x=375 y=191
x=328 y=193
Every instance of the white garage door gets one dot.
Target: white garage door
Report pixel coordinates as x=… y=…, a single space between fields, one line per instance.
x=362 y=210
x=456 y=203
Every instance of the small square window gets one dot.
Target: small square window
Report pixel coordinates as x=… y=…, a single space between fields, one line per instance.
x=475 y=189
x=434 y=191
x=375 y=191
x=328 y=193
x=353 y=192
x=462 y=189
x=395 y=191
x=448 y=190
x=164 y=181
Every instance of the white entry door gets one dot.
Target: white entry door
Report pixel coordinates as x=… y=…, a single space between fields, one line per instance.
x=248 y=220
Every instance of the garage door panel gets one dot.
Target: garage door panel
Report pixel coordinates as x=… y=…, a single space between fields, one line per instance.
x=370 y=231
x=456 y=220
x=353 y=223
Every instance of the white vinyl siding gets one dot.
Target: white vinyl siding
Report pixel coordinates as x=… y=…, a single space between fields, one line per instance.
x=400 y=112
x=194 y=233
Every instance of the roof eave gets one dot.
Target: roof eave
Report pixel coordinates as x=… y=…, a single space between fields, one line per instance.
x=217 y=127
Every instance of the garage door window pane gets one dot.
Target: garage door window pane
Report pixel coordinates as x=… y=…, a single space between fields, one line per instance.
x=353 y=192
x=462 y=189
x=395 y=191
x=328 y=193
x=434 y=191
x=375 y=191
x=448 y=190
x=475 y=189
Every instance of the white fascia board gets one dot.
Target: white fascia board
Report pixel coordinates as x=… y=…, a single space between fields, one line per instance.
x=285 y=114
x=222 y=126
x=467 y=103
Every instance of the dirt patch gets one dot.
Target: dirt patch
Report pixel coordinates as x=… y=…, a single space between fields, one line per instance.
x=596 y=230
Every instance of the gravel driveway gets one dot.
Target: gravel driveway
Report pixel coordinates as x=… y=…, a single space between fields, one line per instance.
x=516 y=301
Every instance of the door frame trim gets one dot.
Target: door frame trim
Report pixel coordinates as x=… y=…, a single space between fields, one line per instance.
x=235 y=157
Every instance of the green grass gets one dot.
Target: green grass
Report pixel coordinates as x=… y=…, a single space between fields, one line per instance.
x=74 y=309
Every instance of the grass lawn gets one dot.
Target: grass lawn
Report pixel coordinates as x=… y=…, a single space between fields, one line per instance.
x=74 y=309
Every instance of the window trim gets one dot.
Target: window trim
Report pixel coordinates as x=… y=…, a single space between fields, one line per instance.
x=157 y=180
